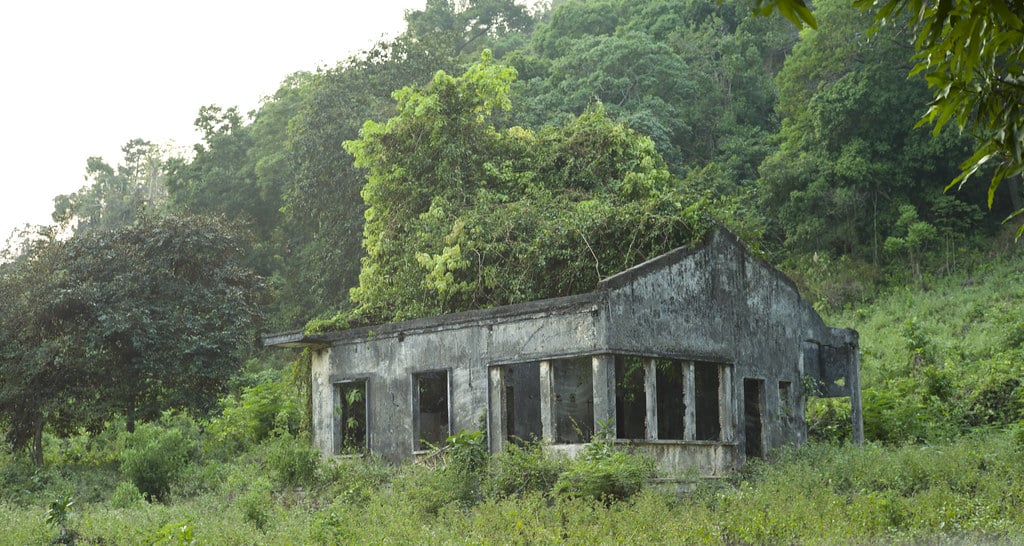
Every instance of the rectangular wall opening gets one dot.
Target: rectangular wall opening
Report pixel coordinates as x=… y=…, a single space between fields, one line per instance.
x=671 y=408
x=753 y=410
x=707 y=404
x=522 y=403
x=630 y=398
x=430 y=409
x=573 y=388
x=785 y=404
x=350 y=410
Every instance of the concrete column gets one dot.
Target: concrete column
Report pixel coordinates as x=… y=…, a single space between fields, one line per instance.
x=604 y=391
x=727 y=413
x=689 y=403
x=496 y=410
x=547 y=401
x=651 y=396
x=856 y=406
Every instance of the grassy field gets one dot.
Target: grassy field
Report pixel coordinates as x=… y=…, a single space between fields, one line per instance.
x=944 y=404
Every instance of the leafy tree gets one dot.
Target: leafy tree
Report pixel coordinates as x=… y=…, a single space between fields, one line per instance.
x=970 y=53
x=695 y=76
x=115 y=196
x=916 y=235
x=849 y=157
x=38 y=382
x=131 y=320
x=166 y=307
x=463 y=215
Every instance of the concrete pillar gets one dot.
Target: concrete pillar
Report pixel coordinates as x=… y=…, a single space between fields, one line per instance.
x=856 y=406
x=651 y=396
x=496 y=409
x=727 y=413
x=547 y=401
x=689 y=404
x=604 y=391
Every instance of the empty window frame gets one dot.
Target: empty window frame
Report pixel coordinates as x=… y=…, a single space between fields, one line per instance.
x=753 y=412
x=350 y=413
x=785 y=404
x=522 y=403
x=573 y=387
x=430 y=409
x=649 y=398
x=630 y=398
x=707 y=390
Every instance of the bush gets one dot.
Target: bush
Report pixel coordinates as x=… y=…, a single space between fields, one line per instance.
x=256 y=503
x=126 y=495
x=355 y=480
x=246 y=420
x=521 y=470
x=604 y=472
x=156 y=455
x=293 y=461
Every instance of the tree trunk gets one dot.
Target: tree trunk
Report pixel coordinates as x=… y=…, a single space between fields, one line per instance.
x=37 y=441
x=130 y=415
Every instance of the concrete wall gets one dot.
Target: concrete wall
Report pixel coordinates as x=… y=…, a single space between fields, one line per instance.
x=710 y=305
x=464 y=345
x=717 y=303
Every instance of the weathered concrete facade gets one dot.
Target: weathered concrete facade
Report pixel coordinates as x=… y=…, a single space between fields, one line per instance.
x=700 y=357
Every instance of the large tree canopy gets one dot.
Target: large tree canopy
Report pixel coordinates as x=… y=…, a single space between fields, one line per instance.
x=463 y=214
x=971 y=53
x=131 y=320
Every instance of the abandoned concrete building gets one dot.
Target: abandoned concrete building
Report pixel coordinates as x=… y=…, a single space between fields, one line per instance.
x=701 y=357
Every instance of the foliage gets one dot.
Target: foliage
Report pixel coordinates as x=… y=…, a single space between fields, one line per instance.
x=163 y=305
x=604 y=472
x=115 y=197
x=126 y=495
x=521 y=470
x=155 y=456
x=293 y=461
x=270 y=405
x=257 y=503
x=969 y=52
x=463 y=215
x=942 y=361
x=849 y=157
x=59 y=515
x=466 y=451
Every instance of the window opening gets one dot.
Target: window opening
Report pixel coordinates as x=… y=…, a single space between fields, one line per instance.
x=630 y=399
x=670 y=404
x=707 y=412
x=431 y=403
x=350 y=407
x=753 y=409
x=522 y=403
x=574 y=400
x=785 y=404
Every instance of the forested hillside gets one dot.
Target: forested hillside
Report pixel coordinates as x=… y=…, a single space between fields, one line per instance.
x=490 y=154
x=804 y=143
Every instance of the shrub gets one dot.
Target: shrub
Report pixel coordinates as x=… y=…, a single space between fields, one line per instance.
x=604 y=472
x=155 y=456
x=261 y=409
x=355 y=480
x=126 y=495
x=521 y=470
x=256 y=503
x=293 y=461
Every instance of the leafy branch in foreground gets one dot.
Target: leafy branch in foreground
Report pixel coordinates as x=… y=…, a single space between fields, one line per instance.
x=971 y=53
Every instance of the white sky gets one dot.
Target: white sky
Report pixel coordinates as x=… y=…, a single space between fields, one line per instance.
x=82 y=78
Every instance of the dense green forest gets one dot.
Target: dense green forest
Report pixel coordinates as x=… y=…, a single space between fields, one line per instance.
x=491 y=154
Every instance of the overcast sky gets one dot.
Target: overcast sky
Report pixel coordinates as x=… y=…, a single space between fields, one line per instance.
x=81 y=79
